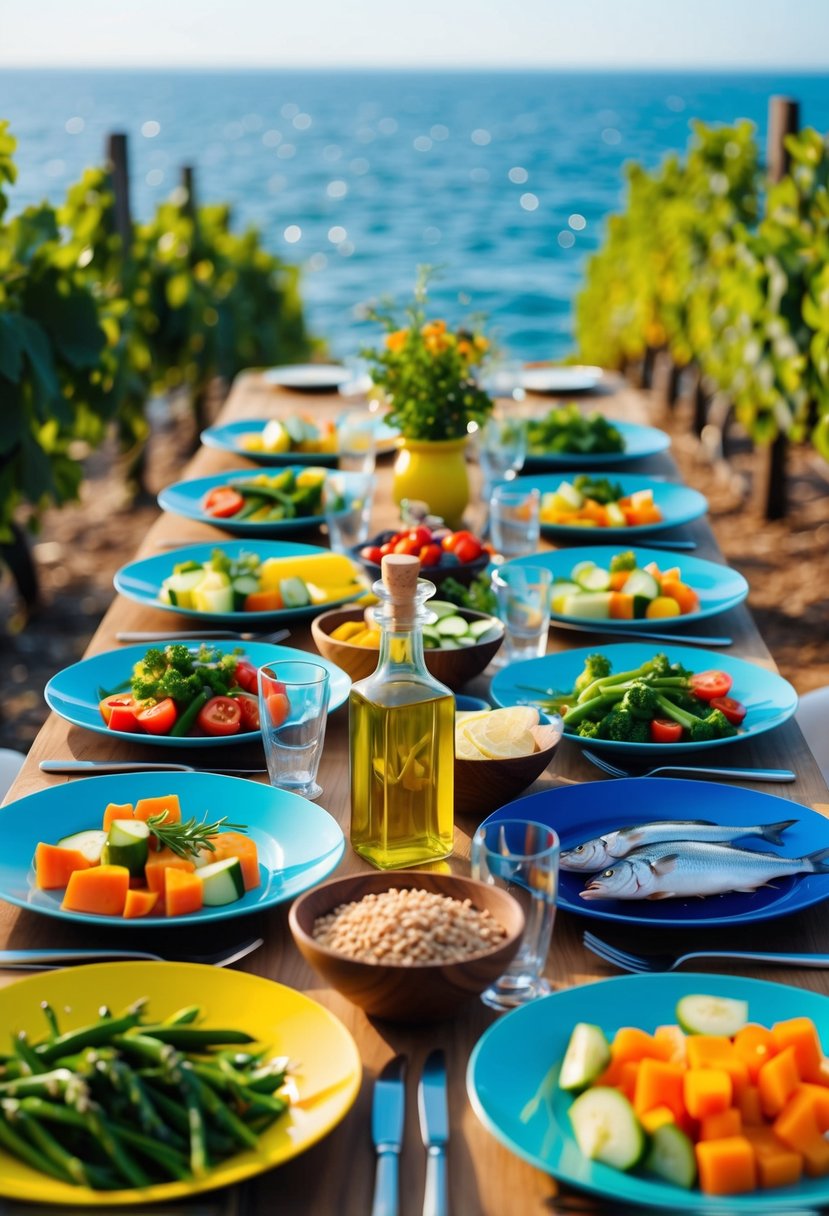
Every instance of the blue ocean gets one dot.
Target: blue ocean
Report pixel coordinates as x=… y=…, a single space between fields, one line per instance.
x=501 y=179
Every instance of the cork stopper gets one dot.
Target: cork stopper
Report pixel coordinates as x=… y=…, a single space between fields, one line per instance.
x=400 y=574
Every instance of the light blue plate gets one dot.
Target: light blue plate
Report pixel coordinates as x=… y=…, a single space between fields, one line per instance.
x=299 y=843
x=718 y=587
x=185 y=498
x=512 y=1060
x=581 y=812
x=73 y=692
x=141 y=581
x=640 y=441
x=678 y=503
x=769 y=699
x=227 y=438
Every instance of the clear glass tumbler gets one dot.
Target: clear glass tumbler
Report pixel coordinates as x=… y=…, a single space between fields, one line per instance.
x=346 y=502
x=514 y=520
x=293 y=710
x=357 y=441
x=521 y=857
x=523 y=595
x=502 y=449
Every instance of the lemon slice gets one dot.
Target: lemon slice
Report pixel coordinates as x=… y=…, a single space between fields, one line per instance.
x=501 y=735
x=465 y=749
x=466 y=715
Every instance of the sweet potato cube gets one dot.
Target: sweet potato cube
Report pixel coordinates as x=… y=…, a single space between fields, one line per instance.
x=182 y=892
x=748 y=1104
x=797 y=1126
x=53 y=866
x=139 y=903
x=706 y=1091
x=716 y=1051
x=718 y=1127
x=659 y=1083
x=117 y=810
x=754 y=1045
x=819 y=1097
x=802 y=1035
x=677 y=1038
x=777 y=1080
x=632 y=1044
x=102 y=890
x=161 y=861
x=726 y=1167
x=656 y=1117
x=777 y=1164
x=146 y=807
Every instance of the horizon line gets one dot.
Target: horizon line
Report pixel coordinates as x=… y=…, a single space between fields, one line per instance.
x=373 y=69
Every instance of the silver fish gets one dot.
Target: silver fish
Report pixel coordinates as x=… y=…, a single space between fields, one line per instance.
x=603 y=850
x=684 y=869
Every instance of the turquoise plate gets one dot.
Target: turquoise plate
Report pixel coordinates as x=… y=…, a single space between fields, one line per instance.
x=718 y=587
x=769 y=699
x=640 y=441
x=73 y=692
x=299 y=843
x=678 y=503
x=227 y=438
x=185 y=498
x=512 y=1073
x=141 y=581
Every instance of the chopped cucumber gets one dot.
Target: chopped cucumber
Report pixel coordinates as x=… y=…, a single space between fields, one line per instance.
x=442 y=608
x=615 y=515
x=466 y=641
x=127 y=844
x=639 y=582
x=594 y=578
x=719 y=1015
x=294 y=593
x=671 y=1156
x=179 y=587
x=213 y=599
x=595 y=605
x=222 y=882
x=449 y=644
x=587 y=1055
x=243 y=586
x=89 y=843
x=640 y=606
x=570 y=495
x=452 y=627
x=187 y=567
x=606 y=1128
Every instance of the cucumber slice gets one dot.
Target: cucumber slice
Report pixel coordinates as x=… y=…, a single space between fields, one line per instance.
x=127 y=844
x=587 y=1055
x=294 y=593
x=479 y=628
x=592 y=579
x=671 y=1156
x=639 y=582
x=449 y=644
x=222 y=882
x=595 y=605
x=187 y=567
x=243 y=586
x=615 y=515
x=430 y=634
x=452 y=627
x=89 y=843
x=466 y=641
x=180 y=587
x=442 y=608
x=719 y=1015
x=606 y=1128
x=213 y=599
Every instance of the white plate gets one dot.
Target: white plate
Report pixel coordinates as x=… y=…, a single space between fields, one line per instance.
x=561 y=379
x=308 y=377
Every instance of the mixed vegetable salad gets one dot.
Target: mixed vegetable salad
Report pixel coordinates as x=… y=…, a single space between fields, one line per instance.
x=622 y=591
x=296 y=434
x=289 y=494
x=567 y=429
x=596 y=502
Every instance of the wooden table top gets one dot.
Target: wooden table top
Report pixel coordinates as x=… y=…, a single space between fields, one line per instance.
x=337 y=1175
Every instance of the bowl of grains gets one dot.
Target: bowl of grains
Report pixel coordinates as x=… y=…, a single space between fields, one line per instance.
x=407 y=947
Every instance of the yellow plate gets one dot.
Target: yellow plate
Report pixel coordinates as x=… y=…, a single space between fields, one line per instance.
x=327 y=1073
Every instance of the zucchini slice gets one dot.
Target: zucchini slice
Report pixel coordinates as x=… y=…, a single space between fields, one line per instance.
x=222 y=882
x=719 y=1015
x=606 y=1128
x=671 y=1156
x=127 y=844
x=89 y=843
x=587 y=1055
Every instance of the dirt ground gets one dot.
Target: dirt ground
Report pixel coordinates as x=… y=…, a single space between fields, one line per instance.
x=81 y=546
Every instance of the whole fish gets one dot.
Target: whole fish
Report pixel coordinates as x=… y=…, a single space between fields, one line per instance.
x=683 y=869
x=602 y=850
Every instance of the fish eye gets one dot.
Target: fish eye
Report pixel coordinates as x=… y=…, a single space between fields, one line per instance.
x=608 y=873
x=579 y=849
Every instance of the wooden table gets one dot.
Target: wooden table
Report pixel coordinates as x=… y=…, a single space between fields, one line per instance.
x=337 y=1175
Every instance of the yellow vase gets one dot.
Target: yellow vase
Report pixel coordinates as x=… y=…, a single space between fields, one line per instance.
x=434 y=471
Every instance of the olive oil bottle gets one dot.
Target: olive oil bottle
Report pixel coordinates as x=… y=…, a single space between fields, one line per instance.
x=402 y=735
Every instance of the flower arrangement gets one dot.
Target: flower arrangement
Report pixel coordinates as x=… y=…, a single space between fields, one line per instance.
x=425 y=370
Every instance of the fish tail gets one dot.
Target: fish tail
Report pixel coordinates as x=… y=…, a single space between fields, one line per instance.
x=820 y=865
x=773 y=831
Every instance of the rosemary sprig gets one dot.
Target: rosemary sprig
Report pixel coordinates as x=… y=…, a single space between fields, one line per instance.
x=189 y=838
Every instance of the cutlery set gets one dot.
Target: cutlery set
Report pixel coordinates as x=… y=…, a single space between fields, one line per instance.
x=387 y=1129
x=46 y=959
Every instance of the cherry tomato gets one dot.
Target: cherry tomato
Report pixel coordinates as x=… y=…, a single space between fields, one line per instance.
x=249 y=707
x=407 y=546
x=665 y=730
x=451 y=542
x=386 y=549
x=278 y=707
x=223 y=501
x=735 y=711
x=709 y=684
x=245 y=676
x=421 y=534
x=467 y=550
x=122 y=717
x=372 y=553
x=220 y=716
x=120 y=699
x=430 y=555
x=158 y=719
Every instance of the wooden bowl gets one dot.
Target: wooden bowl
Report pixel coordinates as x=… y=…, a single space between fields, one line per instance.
x=452 y=667
x=481 y=786
x=423 y=991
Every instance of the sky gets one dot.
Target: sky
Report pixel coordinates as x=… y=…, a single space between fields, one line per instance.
x=576 y=34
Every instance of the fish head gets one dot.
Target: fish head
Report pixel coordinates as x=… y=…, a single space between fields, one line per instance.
x=622 y=880
x=591 y=855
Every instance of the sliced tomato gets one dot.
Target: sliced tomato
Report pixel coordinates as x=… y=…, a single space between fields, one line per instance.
x=246 y=677
x=119 y=700
x=223 y=501
x=220 y=716
x=709 y=684
x=665 y=730
x=278 y=708
x=123 y=717
x=158 y=719
x=732 y=709
x=249 y=707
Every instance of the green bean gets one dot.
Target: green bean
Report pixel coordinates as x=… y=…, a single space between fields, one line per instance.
x=222 y=1115
x=183 y=1017
x=124 y=1080
x=225 y=1083
x=50 y=1111
x=30 y=1064
x=27 y=1152
x=123 y=1163
x=148 y=1047
x=218 y=1144
x=52 y=1149
x=195 y=1119
x=95 y=1035
x=189 y=715
x=51 y=1019
x=172 y=1160
x=195 y=1038
x=46 y=1084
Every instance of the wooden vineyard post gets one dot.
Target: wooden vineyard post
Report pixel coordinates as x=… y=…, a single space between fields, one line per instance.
x=188 y=185
x=116 y=152
x=784 y=118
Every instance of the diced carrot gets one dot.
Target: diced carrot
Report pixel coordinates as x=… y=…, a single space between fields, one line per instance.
x=630 y=1043
x=620 y=606
x=777 y=1080
x=115 y=811
x=706 y=1091
x=748 y=1103
x=139 y=903
x=612 y=1075
x=653 y=570
x=641 y=498
x=656 y=1117
x=797 y=1126
x=101 y=890
x=639 y=517
x=159 y=862
x=263 y=601
x=777 y=1164
x=726 y=1167
x=54 y=866
x=673 y=572
x=802 y=1035
x=145 y=807
x=823 y=1071
x=628 y=1072
x=755 y=1046
x=659 y=1083
x=236 y=844
x=618 y=578
x=819 y=1096
x=684 y=595
x=716 y=1051
x=718 y=1127
x=676 y=1037
x=182 y=892
x=594 y=511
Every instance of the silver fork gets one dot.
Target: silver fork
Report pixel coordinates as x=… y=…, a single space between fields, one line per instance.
x=76 y=768
x=731 y=774
x=51 y=959
x=641 y=964
x=278 y=635
x=689 y=639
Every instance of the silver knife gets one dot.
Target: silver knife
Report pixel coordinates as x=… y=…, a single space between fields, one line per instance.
x=387 y=1115
x=434 y=1128
x=75 y=768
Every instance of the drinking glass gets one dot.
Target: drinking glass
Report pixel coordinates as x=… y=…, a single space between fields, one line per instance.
x=502 y=448
x=503 y=377
x=514 y=521
x=357 y=441
x=293 y=709
x=346 y=502
x=359 y=383
x=523 y=595
x=521 y=857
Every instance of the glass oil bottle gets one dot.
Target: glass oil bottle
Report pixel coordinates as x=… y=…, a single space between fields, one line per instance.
x=402 y=735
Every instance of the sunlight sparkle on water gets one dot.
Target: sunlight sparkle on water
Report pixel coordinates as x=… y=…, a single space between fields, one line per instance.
x=529 y=201
x=150 y=129
x=75 y=125
x=292 y=234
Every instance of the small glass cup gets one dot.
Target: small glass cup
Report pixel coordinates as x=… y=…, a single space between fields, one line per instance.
x=521 y=857
x=357 y=441
x=503 y=377
x=293 y=710
x=523 y=595
x=502 y=449
x=346 y=502
x=514 y=521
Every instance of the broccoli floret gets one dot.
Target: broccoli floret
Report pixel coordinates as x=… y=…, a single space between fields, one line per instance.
x=621 y=726
x=589 y=730
x=723 y=729
x=623 y=561
x=640 y=701
x=179 y=658
x=700 y=730
x=596 y=667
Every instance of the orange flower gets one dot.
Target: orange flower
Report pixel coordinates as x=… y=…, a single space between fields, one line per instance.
x=433 y=329
x=397 y=340
x=482 y=343
x=464 y=349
